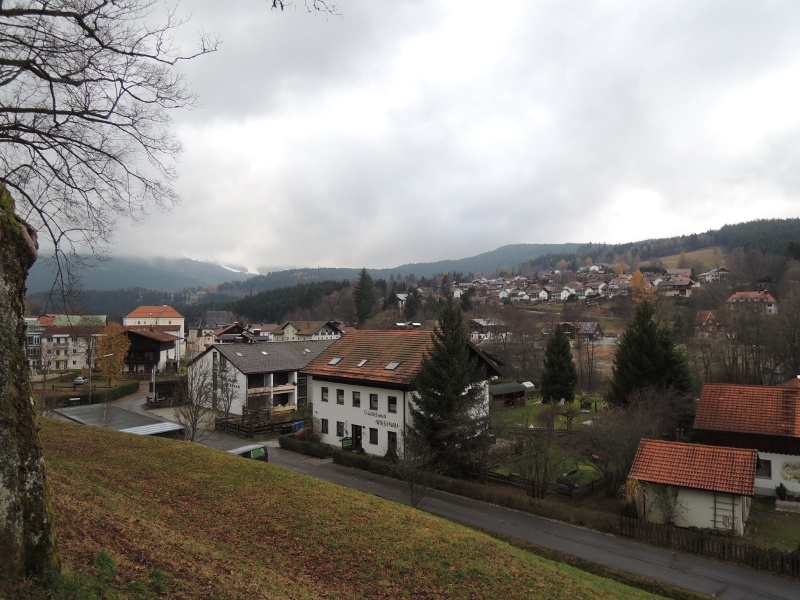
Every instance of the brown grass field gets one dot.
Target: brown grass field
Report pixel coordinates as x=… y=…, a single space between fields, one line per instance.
x=223 y=527
x=708 y=257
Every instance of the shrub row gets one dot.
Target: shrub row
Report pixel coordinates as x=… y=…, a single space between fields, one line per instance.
x=98 y=396
x=576 y=513
x=315 y=449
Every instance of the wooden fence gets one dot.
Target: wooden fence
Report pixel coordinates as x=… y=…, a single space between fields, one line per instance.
x=716 y=546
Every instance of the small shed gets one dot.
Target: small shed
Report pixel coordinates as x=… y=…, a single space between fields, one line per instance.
x=508 y=394
x=693 y=485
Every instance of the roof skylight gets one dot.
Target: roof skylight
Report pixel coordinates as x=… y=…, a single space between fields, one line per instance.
x=335 y=360
x=362 y=362
x=392 y=366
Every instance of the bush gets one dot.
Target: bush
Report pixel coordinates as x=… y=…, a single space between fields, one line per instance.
x=780 y=492
x=98 y=396
x=379 y=466
x=305 y=447
x=628 y=509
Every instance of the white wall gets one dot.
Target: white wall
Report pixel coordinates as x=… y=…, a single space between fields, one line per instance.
x=785 y=470
x=698 y=509
x=380 y=419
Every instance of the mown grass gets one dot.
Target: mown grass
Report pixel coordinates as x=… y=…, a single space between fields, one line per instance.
x=525 y=415
x=770 y=528
x=217 y=526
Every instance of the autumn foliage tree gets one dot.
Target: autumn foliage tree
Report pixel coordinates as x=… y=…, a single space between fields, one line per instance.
x=111 y=351
x=641 y=290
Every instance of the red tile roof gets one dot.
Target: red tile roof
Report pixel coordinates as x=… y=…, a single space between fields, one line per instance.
x=713 y=468
x=378 y=348
x=751 y=297
x=151 y=312
x=753 y=409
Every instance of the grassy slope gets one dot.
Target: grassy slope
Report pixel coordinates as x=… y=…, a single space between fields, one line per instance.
x=223 y=527
x=709 y=257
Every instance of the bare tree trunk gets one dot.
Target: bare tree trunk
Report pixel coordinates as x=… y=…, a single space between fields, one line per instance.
x=27 y=529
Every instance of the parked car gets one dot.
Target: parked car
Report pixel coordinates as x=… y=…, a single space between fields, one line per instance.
x=254 y=451
x=80 y=380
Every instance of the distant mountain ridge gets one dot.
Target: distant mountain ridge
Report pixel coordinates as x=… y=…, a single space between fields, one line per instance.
x=175 y=274
x=123 y=272
x=509 y=257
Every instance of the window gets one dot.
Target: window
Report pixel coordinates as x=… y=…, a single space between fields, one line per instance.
x=357 y=399
x=334 y=361
x=339 y=396
x=392 y=439
x=764 y=468
x=392 y=366
x=362 y=362
x=373 y=401
x=324 y=394
x=392 y=404
x=373 y=435
x=324 y=426
x=339 y=428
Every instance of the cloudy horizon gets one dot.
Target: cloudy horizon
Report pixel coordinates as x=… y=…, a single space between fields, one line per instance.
x=425 y=131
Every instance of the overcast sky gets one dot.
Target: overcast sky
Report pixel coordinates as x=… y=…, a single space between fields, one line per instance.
x=424 y=130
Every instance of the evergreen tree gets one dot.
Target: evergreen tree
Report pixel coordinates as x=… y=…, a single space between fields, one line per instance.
x=449 y=404
x=413 y=305
x=559 y=376
x=364 y=296
x=648 y=357
x=391 y=302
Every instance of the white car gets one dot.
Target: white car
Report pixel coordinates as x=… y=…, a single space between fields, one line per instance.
x=80 y=381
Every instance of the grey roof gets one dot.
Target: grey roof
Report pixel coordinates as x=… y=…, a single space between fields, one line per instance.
x=214 y=319
x=271 y=357
x=506 y=388
x=108 y=416
x=154 y=429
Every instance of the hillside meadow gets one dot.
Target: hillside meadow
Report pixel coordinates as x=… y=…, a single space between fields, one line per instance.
x=219 y=526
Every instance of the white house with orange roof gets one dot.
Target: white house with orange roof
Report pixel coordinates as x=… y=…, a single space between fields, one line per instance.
x=162 y=318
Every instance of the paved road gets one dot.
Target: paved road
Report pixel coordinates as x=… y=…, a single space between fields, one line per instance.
x=683 y=570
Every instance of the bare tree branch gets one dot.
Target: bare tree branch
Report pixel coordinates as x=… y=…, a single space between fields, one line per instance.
x=86 y=88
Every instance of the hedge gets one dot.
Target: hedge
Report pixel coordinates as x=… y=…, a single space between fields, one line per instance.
x=98 y=397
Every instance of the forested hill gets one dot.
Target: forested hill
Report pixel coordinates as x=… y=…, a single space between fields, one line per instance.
x=505 y=257
x=769 y=236
x=122 y=272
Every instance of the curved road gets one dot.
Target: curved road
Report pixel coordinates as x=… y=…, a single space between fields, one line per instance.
x=684 y=570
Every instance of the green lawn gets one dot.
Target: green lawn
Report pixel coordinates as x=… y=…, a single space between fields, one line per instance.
x=522 y=416
x=770 y=528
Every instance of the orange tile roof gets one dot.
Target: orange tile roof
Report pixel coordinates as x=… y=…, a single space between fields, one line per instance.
x=793 y=383
x=754 y=409
x=713 y=468
x=149 y=312
x=378 y=348
x=751 y=297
